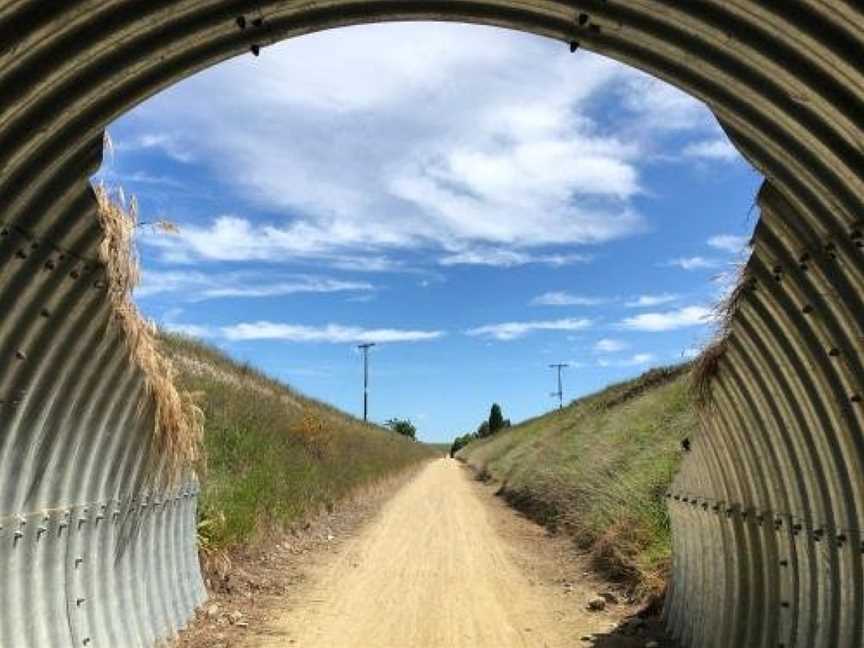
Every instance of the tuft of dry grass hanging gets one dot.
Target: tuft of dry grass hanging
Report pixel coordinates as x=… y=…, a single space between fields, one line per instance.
x=705 y=370
x=707 y=365
x=178 y=421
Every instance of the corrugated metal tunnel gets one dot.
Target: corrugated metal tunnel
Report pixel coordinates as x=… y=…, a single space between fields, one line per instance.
x=767 y=510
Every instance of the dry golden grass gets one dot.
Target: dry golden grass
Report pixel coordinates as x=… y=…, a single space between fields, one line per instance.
x=178 y=421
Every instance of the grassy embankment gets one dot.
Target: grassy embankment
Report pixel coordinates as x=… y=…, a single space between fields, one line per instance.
x=598 y=470
x=273 y=456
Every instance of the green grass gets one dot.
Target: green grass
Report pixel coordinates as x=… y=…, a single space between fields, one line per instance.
x=273 y=456
x=599 y=469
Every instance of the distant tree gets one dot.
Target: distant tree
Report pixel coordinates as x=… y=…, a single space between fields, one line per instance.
x=483 y=431
x=496 y=419
x=506 y=423
x=460 y=442
x=403 y=426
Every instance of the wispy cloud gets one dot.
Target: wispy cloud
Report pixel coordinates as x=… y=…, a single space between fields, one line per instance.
x=729 y=243
x=647 y=301
x=715 y=149
x=561 y=298
x=329 y=333
x=199 y=286
x=669 y=320
x=635 y=360
x=165 y=142
x=505 y=258
x=513 y=330
x=191 y=330
x=696 y=263
x=609 y=345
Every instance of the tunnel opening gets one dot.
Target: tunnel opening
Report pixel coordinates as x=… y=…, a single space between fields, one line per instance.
x=772 y=487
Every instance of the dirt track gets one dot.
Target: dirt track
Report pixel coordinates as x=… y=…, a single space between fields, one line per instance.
x=430 y=570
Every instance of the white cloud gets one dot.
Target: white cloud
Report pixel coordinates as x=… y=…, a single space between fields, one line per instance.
x=695 y=263
x=633 y=361
x=200 y=286
x=690 y=352
x=510 y=258
x=669 y=320
x=330 y=333
x=422 y=136
x=561 y=298
x=514 y=330
x=167 y=143
x=190 y=330
x=664 y=107
x=729 y=243
x=608 y=345
x=646 y=301
x=715 y=149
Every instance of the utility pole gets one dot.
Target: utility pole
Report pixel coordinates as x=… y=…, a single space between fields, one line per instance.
x=365 y=348
x=560 y=393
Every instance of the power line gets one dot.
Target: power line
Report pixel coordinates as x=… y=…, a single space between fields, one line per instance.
x=560 y=393
x=365 y=348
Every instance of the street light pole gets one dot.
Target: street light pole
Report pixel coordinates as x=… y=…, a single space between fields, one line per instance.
x=365 y=348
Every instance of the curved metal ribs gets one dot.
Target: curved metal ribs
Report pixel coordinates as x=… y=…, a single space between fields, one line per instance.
x=767 y=511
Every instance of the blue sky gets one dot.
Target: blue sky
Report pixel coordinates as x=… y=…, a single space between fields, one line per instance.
x=480 y=203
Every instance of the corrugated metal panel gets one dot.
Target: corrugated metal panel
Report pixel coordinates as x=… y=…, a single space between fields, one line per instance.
x=766 y=511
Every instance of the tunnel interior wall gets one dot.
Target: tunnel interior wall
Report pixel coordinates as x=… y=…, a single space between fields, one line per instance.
x=93 y=552
x=766 y=512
